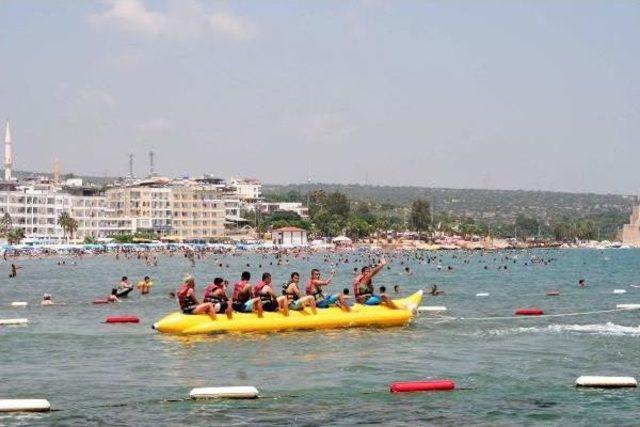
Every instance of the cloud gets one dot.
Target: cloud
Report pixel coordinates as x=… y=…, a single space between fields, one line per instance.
x=156 y=124
x=181 y=19
x=95 y=97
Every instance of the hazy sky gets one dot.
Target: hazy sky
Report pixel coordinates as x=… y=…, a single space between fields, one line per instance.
x=483 y=94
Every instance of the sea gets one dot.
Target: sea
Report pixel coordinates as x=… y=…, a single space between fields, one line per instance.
x=508 y=370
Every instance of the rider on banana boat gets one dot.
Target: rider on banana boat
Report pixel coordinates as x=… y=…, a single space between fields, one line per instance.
x=242 y=299
x=294 y=296
x=216 y=293
x=363 y=287
x=314 y=288
x=188 y=302
x=270 y=301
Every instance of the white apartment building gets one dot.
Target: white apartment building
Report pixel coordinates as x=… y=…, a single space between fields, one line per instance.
x=198 y=212
x=297 y=207
x=37 y=207
x=245 y=189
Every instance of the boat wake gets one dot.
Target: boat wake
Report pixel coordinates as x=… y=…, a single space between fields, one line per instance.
x=608 y=328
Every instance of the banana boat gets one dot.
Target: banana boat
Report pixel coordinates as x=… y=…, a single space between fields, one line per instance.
x=327 y=318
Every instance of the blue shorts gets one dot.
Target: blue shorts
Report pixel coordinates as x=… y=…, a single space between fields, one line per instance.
x=327 y=301
x=373 y=300
x=296 y=305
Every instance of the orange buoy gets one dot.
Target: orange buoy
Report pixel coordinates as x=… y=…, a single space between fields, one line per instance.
x=122 y=319
x=427 y=385
x=529 y=312
x=553 y=293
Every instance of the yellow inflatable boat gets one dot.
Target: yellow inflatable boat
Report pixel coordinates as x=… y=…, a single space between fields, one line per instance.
x=328 y=318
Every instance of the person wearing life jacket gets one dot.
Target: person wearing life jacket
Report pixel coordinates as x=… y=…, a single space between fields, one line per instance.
x=270 y=301
x=189 y=304
x=314 y=288
x=242 y=299
x=294 y=297
x=363 y=287
x=216 y=293
x=144 y=286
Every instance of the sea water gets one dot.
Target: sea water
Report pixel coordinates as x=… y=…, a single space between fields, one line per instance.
x=508 y=370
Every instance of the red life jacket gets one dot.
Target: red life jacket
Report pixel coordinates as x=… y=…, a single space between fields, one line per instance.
x=258 y=288
x=237 y=288
x=183 y=300
x=311 y=288
x=210 y=289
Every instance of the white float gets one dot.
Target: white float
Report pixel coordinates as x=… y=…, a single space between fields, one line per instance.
x=628 y=306
x=236 y=392
x=619 y=291
x=18 y=304
x=8 y=322
x=599 y=381
x=24 y=405
x=483 y=294
x=431 y=308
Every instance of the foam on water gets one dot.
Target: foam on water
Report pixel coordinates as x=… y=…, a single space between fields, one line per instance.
x=608 y=328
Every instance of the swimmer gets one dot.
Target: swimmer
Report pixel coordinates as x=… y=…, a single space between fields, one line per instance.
x=46 y=300
x=435 y=292
x=582 y=283
x=144 y=286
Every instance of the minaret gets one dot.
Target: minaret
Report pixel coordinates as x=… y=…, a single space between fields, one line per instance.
x=131 y=166
x=8 y=154
x=151 y=167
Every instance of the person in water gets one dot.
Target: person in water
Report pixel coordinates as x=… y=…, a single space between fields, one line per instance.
x=216 y=293
x=242 y=299
x=294 y=296
x=114 y=296
x=270 y=301
x=363 y=287
x=314 y=288
x=46 y=300
x=125 y=283
x=435 y=292
x=582 y=283
x=188 y=302
x=144 y=286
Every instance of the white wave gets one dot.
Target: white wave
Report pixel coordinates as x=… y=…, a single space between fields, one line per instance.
x=608 y=328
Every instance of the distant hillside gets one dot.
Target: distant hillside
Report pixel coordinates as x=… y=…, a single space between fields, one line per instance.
x=488 y=205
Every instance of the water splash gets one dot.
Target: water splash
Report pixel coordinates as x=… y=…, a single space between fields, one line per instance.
x=608 y=328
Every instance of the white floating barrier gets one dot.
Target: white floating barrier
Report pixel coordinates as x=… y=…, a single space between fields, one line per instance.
x=598 y=381
x=237 y=392
x=619 y=291
x=8 y=322
x=24 y=405
x=18 y=304
x=431 y=308
x=628 y=306
x=483 y=294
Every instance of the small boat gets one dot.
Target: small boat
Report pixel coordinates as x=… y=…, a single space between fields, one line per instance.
x=327 y=318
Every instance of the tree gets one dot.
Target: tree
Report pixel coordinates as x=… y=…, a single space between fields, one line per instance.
x=337 y=203
x=358 y=228
x=6 y=224
x=527 y=226
x=69 y=225
x=90 y=240
x=15 y=235
x=123 y=238
x=420 y=217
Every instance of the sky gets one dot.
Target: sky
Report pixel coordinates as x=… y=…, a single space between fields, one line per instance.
x=536 y=95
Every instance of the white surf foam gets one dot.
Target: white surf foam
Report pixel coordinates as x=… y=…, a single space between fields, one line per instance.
x=608 y=328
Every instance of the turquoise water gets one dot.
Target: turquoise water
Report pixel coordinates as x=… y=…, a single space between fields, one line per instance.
x=508 y=371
